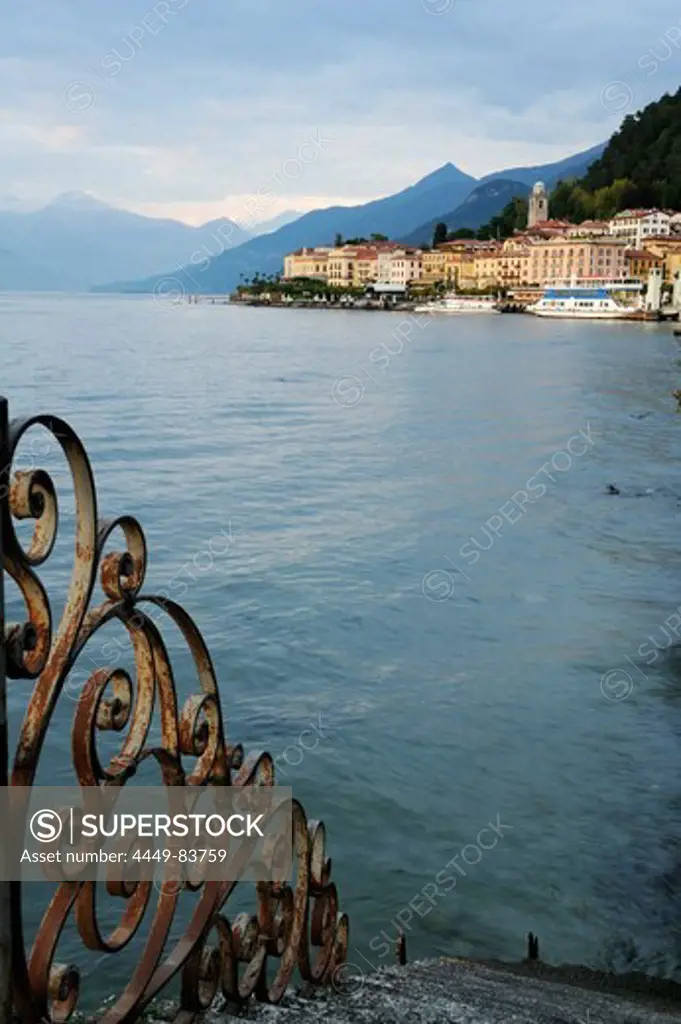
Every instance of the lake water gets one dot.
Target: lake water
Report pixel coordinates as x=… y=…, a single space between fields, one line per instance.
x=344 y=490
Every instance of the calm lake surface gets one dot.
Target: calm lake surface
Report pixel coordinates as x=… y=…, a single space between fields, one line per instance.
x=337 y=490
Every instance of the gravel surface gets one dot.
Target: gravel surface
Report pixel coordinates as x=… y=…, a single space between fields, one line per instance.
x=463 y=992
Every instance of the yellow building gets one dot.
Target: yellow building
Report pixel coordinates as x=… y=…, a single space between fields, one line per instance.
x=640 y=263
x=342 y=270
x=307 y=263
x=487 y=268
x=453 y=259
x=667 y=251
x=434 y=267
x=514 y=262
x=364 y=267
x=466 y=272
x=460 y=267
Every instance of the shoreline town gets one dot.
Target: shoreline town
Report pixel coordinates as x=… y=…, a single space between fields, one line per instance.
x=627 y=267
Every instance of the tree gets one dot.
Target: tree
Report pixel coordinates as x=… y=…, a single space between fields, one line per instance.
x=640 y=166
x=338 y=241
x=377 y=237
x=440 y=233
x=512 y=218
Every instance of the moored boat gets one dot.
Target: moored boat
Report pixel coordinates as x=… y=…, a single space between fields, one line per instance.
x=454 y=303
x=590 y=299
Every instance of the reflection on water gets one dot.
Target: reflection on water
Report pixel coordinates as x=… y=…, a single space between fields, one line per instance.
x=446 y=692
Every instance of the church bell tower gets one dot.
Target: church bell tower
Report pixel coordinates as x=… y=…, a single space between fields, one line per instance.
x=538 y=205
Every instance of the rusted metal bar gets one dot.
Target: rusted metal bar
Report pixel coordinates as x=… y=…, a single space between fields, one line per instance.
x=5 y=913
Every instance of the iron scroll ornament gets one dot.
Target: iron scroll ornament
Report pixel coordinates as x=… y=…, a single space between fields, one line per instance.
x=252 y=955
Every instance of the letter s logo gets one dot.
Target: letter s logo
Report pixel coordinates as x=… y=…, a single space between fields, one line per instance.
x=46 y=826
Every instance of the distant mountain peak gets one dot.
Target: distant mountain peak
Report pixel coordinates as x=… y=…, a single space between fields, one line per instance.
x=266 y=227
x=77 y=201
x=447 y=174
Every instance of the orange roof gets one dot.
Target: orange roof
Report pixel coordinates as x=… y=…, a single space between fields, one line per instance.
x=639 y=254
x=542 y=225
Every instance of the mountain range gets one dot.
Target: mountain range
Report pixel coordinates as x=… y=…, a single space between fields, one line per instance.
x=447 y=194
x=477 y=209
x=495 y=191
x=78 y=243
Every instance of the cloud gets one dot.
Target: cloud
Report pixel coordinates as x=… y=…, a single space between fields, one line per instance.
x=186 y=104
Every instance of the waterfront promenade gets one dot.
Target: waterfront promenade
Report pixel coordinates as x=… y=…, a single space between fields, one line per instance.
x=453 y=991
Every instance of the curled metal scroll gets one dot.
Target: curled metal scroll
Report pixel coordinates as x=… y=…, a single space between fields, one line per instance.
x=249 y=955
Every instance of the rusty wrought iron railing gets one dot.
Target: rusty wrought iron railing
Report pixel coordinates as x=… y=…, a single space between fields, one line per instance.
x=252 y=955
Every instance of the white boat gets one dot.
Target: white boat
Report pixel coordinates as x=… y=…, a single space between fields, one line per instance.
x=453 y=303
x=590 y=299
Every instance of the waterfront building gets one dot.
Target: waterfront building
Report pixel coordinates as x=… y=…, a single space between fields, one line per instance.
x=307 y=263
x=514 y=263
x=640 y=262
x=434 y=267
x=462 y=269
x=467 y=272
x=365 y=267
x=486 y=267
x=562 y=258
x=667 y=251
x=635 y=226
x=406 y=266
x=342 y=267
x=538 y=205
x=383 y=266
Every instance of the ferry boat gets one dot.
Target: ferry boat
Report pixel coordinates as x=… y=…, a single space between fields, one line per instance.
x=454 y=303
x=590 y=299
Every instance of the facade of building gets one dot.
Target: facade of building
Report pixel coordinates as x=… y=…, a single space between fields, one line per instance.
x=307 y=263
x=589 y=229
x=563 y=258
x=341 y=267
x=635 y=226
x=640 y=262
x=486 y=268
x=365 y=268
x=406 y=266
x=667 y=251
x=434 y=267
x=514 y=262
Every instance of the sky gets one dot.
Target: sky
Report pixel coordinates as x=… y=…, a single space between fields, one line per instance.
x=187 y=108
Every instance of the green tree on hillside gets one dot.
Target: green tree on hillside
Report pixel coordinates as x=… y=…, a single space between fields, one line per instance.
x=640 y=166
x=440 y=233
x=512 y=218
